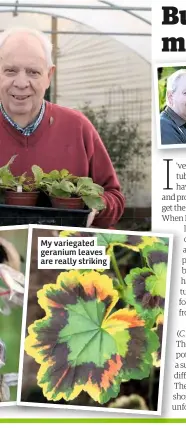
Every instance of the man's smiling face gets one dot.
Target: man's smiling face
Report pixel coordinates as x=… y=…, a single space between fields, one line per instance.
x=24 y=77
x=177 y=98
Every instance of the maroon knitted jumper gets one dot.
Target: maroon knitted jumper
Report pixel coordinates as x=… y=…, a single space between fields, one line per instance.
x=66 y=139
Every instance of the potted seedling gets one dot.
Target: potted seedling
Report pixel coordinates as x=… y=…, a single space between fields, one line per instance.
x=20 y=190
x=67 y=191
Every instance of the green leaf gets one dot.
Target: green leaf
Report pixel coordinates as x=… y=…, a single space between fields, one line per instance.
x=94 y=202
x=86 y=184
x=67 y=186
x=7 y=179
x=62 y=189
x=84 y=181
x=38 y=174
x=57 y=192
x=84 y=326
x=110 y=238
x=5 y=168
x=64 y=173
x=51 y=176
x=156 y=284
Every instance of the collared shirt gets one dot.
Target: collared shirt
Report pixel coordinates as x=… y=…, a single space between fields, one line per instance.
x=173 y=127
x=29 y=129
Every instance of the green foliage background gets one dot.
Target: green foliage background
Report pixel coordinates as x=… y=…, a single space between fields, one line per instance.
x=10 y=326
x=163 y=73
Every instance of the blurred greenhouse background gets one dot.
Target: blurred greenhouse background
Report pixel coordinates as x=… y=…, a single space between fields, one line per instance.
x=102 y=52
x=10 y=325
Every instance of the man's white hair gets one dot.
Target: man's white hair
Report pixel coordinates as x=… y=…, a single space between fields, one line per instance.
x=173 y=80
x=45 y=42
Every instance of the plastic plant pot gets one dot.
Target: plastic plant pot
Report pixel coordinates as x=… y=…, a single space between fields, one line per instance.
x=21 y=198
x=67 y=203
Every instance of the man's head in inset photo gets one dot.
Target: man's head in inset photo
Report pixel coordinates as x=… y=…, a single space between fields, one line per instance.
x=176 y=92
x=173 y=117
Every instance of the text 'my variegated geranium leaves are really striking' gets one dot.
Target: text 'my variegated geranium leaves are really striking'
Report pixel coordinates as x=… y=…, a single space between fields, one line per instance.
x=146 y=286
x=82 y=344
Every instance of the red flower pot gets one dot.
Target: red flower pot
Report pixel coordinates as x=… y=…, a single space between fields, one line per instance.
x=68 y=203
x=21 y=198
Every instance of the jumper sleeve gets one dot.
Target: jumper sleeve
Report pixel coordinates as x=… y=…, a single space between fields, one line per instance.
x=103 y=173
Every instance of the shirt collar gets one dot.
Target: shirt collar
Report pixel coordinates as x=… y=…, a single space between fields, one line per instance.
x=29 y=129
x=174 y=116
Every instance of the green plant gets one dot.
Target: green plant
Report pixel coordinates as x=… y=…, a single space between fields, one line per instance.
x=101 y=346
x=65 y=185
x=19 y=183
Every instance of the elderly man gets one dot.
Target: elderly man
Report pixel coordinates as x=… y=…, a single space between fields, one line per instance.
x=173 y=118
x=46 y=134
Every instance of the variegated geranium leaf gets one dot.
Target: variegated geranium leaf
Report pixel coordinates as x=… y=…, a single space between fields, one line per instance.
x=138 y=293
x=82 y=344
x=156 y=254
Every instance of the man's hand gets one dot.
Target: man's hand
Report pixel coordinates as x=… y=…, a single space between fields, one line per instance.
x=91 y=217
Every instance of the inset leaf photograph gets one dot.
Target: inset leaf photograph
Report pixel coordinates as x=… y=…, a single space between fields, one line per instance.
x=95 y=319
x=13 y=244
